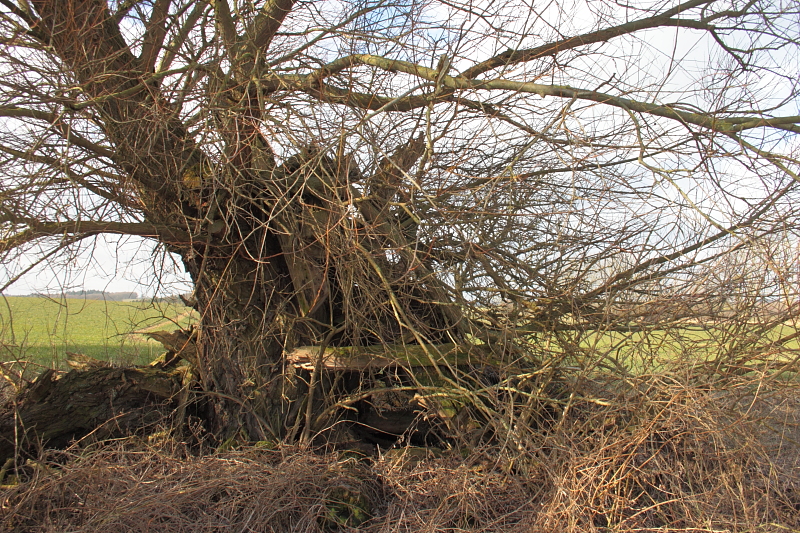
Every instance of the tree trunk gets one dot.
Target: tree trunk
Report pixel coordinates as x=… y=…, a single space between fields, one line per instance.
x=104 y=402
x=300 y=269
x=309 y=252
x=240 y=343
x=248 y=325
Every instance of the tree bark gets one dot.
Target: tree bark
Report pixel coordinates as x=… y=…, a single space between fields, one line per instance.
x=295 y=268
x=103 y=402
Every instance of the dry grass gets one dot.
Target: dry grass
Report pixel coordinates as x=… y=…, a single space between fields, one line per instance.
x=658 y=457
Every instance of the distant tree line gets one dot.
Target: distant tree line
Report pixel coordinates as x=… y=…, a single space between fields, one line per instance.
x=91 y=295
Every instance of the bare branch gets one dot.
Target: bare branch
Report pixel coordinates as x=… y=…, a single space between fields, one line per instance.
x=84 y=229
x=512 y=57
x=269 y=20
x=57 y=122
x=154 y=35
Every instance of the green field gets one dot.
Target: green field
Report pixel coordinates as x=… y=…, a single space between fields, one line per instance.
x=732 y=346
x=42 y=330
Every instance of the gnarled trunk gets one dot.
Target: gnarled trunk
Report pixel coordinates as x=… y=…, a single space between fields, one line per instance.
x=307 y=252
x=289 y=261
x=241 y=341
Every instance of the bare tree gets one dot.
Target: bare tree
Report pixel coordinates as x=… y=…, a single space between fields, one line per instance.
x=398 y=172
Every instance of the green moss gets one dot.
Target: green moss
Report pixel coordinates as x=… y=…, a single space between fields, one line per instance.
x=346 y=507
x=415 y=355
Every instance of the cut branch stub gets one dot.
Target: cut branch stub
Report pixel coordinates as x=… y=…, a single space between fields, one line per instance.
x=180 y=344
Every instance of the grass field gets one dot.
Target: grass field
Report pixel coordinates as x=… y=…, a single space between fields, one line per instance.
x=720 y=343
x=41 y=330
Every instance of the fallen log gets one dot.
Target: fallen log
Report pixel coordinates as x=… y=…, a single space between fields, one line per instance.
x=419 y=394
x=55 y=410
x=381 y=393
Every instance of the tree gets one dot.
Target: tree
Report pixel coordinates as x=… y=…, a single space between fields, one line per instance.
x=397 y=172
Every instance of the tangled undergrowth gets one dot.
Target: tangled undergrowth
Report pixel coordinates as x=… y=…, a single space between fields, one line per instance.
x=652 y=456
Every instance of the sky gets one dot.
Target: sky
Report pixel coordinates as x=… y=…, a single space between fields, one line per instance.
x=129 y=264
x=109 y=263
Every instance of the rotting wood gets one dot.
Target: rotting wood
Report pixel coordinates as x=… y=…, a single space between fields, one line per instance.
x=180 y=344
x=56 y=410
